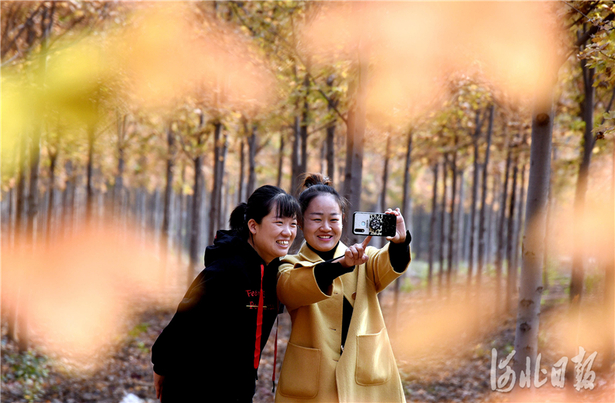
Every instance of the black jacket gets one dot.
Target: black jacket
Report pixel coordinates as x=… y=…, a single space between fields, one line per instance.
x=206 y=352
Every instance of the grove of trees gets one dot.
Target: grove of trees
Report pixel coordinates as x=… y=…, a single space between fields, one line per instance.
x=490 y=124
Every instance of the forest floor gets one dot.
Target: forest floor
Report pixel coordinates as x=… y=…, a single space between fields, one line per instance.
x=444 y=353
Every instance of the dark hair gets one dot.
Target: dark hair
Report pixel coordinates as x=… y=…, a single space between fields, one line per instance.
x=260 y=203
x=315 y=185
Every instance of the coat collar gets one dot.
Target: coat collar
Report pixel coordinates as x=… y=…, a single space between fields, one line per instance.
x=305 y=253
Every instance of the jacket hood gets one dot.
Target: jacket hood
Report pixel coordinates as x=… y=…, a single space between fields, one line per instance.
x=228 y=245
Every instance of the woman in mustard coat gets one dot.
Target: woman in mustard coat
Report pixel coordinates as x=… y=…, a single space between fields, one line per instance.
x=339 y=349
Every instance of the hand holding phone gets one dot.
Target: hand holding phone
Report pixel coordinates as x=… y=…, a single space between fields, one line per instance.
x=374 y=224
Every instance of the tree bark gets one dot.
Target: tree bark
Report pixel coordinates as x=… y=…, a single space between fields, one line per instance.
x=551 y=203
x=216 y=192
x=432 y=229
x=482 y=219
x=518 y=228
x=511 y=270
x=452 y=239
x=587 y=108
x=90 y=176
x=443 y=222
x=296 y=158
x=195 y=231
x=499 y=260
x=251 y=162
x=118 y=187
x=53 y=159
x=460 y=224
x=407 y=195
x=242 y=168
x=280 y=160
x=182 y=210
x=474 y=202
x=385 y=174
x=530 y=291
x=330 y=141
x=355 y=144
x=305 y=111
x=168 y=189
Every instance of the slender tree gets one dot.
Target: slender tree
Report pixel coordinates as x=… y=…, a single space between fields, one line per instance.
x=482 y=222
x=443 y=222
x=511 y=270
x=432 y=228
x=355 y=140
x=452 y=232
x=530 y=290
x=197 y=199
x=499 y=260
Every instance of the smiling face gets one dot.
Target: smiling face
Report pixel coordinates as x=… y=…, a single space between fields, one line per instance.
x=273 y=236
x=322 y=223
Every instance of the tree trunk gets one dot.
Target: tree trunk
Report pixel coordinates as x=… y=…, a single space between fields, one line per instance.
x=406 y=201
x=474 y=201
x=510 y=285
x=168 y=196
x=443 y=222
x=452 y=240
x=31 y=237
x=218 y=172
x=551 y=203
x=68 y=198
x=168 y=189
x=330 y=141
x=530 y=291
x=460 y=224
x=19 y=227
x=482 y=219
x=418 y=231
x=587 y=108
x=305 y=111
x=499 y=260
x=53 y=159
x=180 y=216
x=242 y=168
x=280 y=160
x=251 y=162
x=90 y=176
x=432 y=229
x=355 y=144
x=296 y=158
x=385 y=174
x=221 y=175
x=518 y=227
x=195 y=231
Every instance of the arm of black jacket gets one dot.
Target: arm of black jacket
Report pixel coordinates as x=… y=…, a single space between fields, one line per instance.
x=399 y=254
x=168 y=349
x=326 y=272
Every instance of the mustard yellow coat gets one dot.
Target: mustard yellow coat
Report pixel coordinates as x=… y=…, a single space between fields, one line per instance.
x=313 y=369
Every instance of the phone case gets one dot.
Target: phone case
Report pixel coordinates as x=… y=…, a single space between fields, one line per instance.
x=374 y=224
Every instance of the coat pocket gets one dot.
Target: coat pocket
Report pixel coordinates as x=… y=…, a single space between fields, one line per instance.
x=300 y=372
x=373 y=359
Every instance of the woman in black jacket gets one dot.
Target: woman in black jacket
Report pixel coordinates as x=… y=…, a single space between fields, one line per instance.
x=210 y=350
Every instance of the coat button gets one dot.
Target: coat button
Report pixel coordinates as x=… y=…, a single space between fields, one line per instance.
x=354 y=295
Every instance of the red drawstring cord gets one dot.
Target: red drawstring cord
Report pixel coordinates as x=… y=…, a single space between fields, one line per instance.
x=259 y=331
x=259 y=322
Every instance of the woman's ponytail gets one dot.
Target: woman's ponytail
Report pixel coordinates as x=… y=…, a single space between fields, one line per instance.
x=238 y=222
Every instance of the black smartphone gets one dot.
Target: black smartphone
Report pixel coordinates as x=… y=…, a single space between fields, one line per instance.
x=375 y=224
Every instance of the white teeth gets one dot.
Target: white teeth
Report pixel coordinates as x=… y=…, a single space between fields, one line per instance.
x=283 y=242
